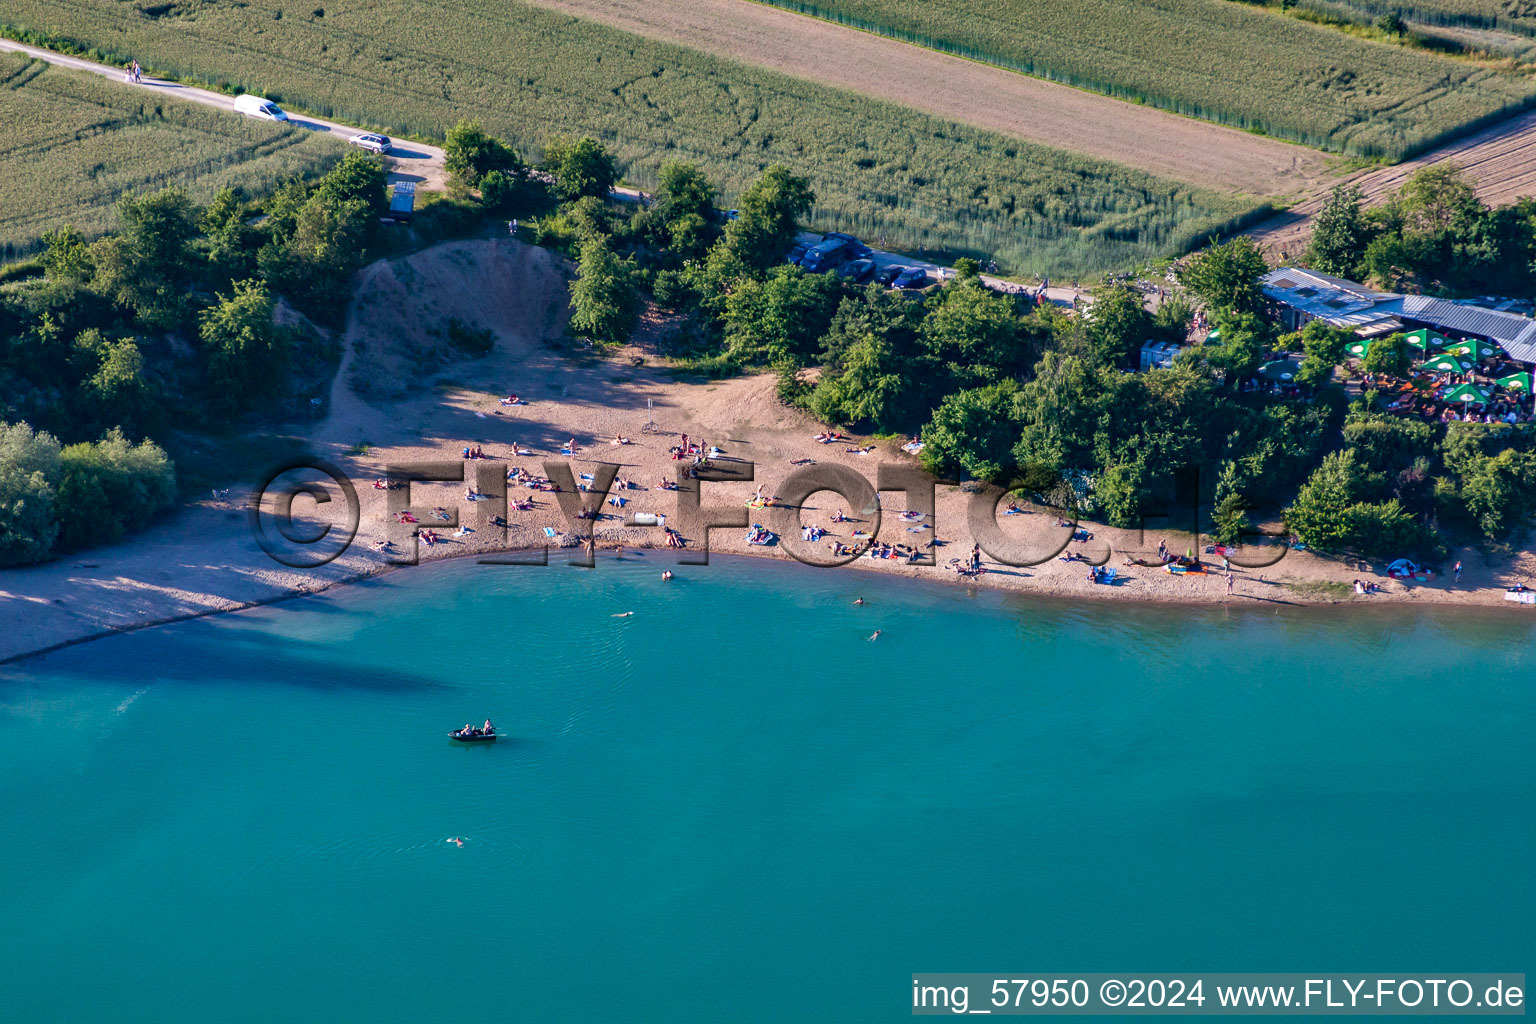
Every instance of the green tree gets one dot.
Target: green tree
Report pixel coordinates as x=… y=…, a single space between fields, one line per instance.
x=1500 y=491
x=580 y=168
x=29 y=462
x=1391 y=355
x=66 y=256
x=1230 y=519
x=230 y=241
x=1324 y=347
x=1118 y=324
x=978 y=335
x=1317 y=515
x=870 y=389
x=973 y=432
x=246 y=354
x=779 y=318
x=359 y=178
x=1330 y=512
x=1339 y=234
x=469 y=154
x=110 y=488
x=314 y=264
x=1244 y=337
x=118 y=391
x=144 y=265
x=766 y=225
x=684 y=206
x=1227 y=276
x=605 y=303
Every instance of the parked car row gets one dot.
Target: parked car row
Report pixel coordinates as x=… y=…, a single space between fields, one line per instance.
x=852 y=260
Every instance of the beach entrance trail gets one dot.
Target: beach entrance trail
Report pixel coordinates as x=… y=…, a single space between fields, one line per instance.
x=963 y=90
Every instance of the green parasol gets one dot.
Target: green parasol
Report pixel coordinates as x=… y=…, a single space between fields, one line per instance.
x=1358 y=348
x=1520 y=382
x=1473 y=350
x=1444 y=364
x=1425 y=339
x=1466 y=393
x=1279 y=369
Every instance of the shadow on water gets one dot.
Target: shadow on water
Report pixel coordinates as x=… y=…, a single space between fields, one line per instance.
x=204 y=652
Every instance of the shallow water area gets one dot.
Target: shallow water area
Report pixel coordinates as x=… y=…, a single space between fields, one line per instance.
x=733 y=805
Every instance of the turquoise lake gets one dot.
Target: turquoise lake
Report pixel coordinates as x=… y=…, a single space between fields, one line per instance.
x=731 y=806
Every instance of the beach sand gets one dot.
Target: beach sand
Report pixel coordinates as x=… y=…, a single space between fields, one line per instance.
x=403 y=395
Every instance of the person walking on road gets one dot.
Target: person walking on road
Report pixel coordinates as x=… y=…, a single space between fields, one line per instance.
x=1457 y=570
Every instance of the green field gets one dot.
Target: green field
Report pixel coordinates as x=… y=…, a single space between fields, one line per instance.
x=1216 y=59
x=417 y=67
x=72 y=143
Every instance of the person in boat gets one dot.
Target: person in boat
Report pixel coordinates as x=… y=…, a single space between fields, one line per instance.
x=490 y=730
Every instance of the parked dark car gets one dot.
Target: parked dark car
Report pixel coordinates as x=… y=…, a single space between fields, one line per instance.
x=912 y=277
x=886 y=274
x=858 y=271
x=825 y=255
x=856 y=249
x=795 y=255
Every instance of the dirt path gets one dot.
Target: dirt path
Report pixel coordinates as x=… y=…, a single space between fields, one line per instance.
x=1500 y=161
x=978 y=94
x=408 y=161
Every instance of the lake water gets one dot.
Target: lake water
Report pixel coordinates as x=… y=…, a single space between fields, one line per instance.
x=732 y=806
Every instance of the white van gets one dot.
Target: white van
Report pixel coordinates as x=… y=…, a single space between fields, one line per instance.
x=256 y=106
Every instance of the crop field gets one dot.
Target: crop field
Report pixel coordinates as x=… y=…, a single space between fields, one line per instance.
x=418 y=66
x=1215 y=59
x=1162 y=143
x=72 y=143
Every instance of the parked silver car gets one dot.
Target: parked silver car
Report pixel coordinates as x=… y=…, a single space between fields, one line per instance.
x=372 y=143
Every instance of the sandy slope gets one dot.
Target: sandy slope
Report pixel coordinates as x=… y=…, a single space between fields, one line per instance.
x=963 y=90
x=432 y=403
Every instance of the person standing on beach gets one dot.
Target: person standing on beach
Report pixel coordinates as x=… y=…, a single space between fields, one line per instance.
x=1230 y=580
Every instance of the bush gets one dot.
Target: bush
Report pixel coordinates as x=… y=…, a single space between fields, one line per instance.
x=973 y=432
x=469 y=154
x=28 y=463
x=110 y=488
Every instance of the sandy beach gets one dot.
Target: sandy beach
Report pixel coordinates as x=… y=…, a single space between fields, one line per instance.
x=403 y=395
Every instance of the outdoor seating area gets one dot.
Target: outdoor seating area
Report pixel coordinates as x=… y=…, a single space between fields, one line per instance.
x=1457 y=379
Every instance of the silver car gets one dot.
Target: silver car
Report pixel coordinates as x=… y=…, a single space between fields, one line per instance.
x=372 y=143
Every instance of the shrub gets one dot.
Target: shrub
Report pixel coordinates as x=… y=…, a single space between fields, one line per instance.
x=110 y=488
x=28 y=463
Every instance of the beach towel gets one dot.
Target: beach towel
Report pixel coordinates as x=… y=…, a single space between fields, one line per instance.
x=549 y=531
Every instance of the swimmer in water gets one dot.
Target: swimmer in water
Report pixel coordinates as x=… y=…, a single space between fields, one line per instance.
x=666 y=574
x=875 y=635
x=859 y=601
x=455 y=841
x=622 y=615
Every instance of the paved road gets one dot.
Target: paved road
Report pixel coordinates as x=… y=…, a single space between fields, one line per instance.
x=408 y=161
